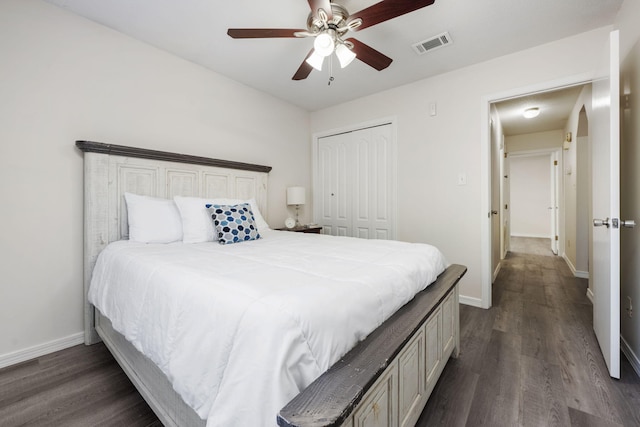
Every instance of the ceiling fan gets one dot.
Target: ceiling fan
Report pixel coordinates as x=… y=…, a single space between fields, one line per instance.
x=329 y=22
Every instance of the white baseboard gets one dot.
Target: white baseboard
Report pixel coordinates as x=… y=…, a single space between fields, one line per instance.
x=495 y=273
x=40 y=350
x=576 y=273
x=581 y=274
x=475 y=302
x=569 y=263
x=590 y=295
x=631 y=356
x=536 y=236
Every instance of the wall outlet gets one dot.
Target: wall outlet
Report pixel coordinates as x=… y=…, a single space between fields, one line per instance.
x=630 y=307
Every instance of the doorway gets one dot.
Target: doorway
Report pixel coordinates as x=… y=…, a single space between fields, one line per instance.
x=534 y=196
x=526 y=136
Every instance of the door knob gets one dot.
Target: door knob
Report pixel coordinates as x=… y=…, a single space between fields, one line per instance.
x=494 y=212
x=601 y=222
x=629 y=223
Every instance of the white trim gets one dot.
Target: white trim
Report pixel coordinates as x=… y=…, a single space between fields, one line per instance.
x=590 y=295
x=535 y=236
x=355 y=127
x=496 y=271
x=631 y=356
x=485 y=202
x=581 y=274
x=40 y=350
x=485 y=164
x=554 y=154
x=534 y=153
x=474 y=302
x=576 y=273
x=569 y=263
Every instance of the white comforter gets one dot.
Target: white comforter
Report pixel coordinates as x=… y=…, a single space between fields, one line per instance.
x=240 y=329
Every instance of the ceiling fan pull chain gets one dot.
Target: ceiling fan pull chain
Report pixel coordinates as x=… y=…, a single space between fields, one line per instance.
x=330 y=70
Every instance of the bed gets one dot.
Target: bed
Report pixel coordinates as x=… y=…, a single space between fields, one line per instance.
x=381 y=374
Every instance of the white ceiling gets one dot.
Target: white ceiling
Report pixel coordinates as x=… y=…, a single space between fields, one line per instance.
x=481 y=29
x=555 y=108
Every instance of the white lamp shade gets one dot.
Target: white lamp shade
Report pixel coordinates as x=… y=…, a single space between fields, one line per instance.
x=345 y=55
x=295 y=195
x=315 y=60
x=324 y=44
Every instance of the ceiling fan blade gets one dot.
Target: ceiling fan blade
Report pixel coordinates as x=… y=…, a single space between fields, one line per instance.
x=386 y=10
x=304 y=70
x=369 y=55
x=321 y=4
x=258 y=33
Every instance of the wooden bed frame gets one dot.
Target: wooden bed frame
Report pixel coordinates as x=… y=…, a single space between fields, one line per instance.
x=387 y=377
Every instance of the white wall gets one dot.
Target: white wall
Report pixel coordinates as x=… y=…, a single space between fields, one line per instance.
x=432 y=151
x=530 y=181
x=534 y=141
x=576 y=170
x=65 y=78
x=627 y=22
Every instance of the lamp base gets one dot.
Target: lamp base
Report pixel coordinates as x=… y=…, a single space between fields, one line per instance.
x=297 y=214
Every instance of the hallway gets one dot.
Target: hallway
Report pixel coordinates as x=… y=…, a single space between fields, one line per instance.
x=532 y=359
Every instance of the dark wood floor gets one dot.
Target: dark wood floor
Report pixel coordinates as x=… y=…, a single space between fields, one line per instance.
x=531 y=360
x=81 y=386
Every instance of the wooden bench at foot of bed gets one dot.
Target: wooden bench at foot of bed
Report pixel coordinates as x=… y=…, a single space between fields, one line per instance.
x=387 y=378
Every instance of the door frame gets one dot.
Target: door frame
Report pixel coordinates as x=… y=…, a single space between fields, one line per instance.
x=551 y=154
x=485 y=165
x=393 y=154
x=505 y=202
x=557 y=204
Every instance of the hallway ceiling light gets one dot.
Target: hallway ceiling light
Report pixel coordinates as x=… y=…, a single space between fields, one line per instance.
x=530 y=113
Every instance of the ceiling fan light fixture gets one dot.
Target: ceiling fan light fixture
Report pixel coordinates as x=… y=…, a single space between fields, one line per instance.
x=315 y=60
x=324 y=44
x=345 y=55
x=530 y=113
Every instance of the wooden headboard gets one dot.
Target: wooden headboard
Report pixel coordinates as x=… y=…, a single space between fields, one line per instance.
x=111 y=170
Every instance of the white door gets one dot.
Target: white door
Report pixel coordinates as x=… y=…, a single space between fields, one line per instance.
x=356 y=183
x=605 y=277
x=553 y=203
x=506 y=206
x=372 y=185
x=333 y=211
x=496 y=219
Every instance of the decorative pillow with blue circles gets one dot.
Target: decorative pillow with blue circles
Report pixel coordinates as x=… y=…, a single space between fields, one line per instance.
x=233 y=223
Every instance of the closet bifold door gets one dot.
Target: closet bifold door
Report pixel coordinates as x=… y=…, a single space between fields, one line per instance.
x=334 y=170
x=356 y=181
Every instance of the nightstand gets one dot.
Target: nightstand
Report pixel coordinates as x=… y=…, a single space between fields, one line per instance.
x=303 y=229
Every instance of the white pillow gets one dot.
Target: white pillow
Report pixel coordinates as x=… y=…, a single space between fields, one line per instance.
x=153 y=220
x=197 y=225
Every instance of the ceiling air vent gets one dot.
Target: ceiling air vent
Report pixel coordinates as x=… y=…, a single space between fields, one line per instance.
x=433 y=43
